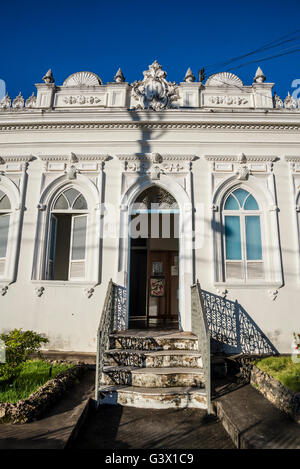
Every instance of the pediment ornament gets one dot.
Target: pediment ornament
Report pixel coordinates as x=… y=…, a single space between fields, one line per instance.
x=154 y=91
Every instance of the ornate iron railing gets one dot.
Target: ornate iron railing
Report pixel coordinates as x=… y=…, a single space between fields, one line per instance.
x=201 y=330
x=232 y=329
x=113 y=319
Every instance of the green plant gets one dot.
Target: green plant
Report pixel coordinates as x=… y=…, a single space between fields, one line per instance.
x=19 y=345
x=32 y=375
x=283 y=369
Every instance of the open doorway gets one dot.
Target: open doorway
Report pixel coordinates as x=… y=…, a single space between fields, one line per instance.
x=154 y=261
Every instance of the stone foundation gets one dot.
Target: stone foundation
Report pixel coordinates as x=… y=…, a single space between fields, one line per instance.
x=283 y=398
x=37 y=403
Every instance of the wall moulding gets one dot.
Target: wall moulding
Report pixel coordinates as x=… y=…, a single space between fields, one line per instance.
x=151 y=126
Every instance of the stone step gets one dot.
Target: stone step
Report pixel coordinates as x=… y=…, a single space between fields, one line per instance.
x=167 y=377
x=153 y=359
x=167 y=341
x=154 y=398
x=152 y=377
x=116 y=375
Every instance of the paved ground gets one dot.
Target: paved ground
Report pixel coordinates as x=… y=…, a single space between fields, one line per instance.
x=116 y=427
x=54 y=430
x=253 y=422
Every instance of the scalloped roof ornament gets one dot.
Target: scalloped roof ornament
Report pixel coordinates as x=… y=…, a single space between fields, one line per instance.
x=224 y=79
x=83 y=79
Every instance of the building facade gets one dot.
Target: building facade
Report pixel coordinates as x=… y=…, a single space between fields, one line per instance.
x=153 y=185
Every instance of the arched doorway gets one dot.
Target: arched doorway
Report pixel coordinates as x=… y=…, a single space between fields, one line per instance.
x=154 y=260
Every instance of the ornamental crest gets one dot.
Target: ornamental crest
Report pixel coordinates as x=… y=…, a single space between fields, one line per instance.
x=154 y=91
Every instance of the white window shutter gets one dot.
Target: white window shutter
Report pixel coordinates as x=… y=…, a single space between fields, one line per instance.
x=78 y=247
x=51 y=249
x=4 y=229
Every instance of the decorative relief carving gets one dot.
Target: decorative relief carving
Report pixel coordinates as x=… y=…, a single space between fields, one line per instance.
x=243 y=171
x=154 y=91
x=83 y=79
x=89 y=292
x=224 y=79
x=154 y=163
x=273 y=294
x=82 y=100
x=295 y=127
x=155 y=195
x=39 y=291
x=228 y=100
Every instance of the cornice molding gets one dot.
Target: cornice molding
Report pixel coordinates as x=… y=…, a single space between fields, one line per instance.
x=148 y=156
x=79 y=157
x=234 y=159
x=292 y=159
x=15 y=158
x=151 y=126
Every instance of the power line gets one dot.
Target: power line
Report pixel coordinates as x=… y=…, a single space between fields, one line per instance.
x=264 y=59
x=269 y=45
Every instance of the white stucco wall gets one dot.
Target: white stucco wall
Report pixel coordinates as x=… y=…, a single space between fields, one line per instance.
x=63 y=312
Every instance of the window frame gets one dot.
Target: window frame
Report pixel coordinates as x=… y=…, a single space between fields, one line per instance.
x=73 y=213
x=6 y=212
x=242 y=213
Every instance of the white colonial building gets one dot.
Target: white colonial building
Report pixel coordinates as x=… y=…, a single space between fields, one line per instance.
x=153 y=185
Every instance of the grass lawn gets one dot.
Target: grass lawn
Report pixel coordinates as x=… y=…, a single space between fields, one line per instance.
x=283 y=369
x=34 y=374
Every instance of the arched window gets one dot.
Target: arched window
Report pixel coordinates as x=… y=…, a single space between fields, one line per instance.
x=242 y=237
x=66 y=252
x=5 y=215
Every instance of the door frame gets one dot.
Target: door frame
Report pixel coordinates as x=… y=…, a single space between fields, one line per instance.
x=149 y=212
x=186 y=252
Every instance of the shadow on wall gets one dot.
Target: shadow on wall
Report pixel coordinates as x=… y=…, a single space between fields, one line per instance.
x=232 y=330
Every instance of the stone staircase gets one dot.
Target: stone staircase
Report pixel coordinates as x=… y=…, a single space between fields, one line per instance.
x=153 y=369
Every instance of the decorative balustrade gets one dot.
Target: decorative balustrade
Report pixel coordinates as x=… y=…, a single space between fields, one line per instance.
x=232 y=330
x=113 y=319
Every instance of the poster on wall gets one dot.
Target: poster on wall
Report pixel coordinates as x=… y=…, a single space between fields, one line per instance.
x=157 y=286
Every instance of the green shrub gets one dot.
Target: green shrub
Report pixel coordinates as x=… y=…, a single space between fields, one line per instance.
x=19 y=345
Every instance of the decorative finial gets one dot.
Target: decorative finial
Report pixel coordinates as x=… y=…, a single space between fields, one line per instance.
x=48 y=78
x=189 y=76
x=119 y=77
x=18 y=102
x=290 y=102
x=277 y=101
x=31 y=101
x=259 y=76
x=5 y=102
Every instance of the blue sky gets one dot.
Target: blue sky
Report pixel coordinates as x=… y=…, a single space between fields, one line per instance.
x=100 y=36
